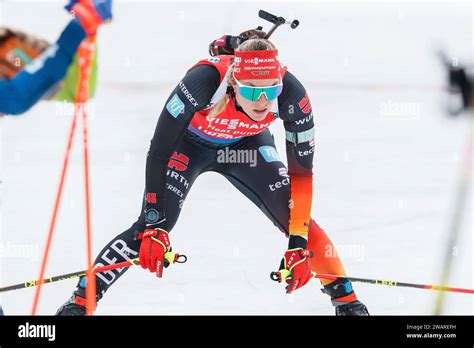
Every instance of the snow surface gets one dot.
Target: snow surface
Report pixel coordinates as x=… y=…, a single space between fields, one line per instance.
x=385 y=180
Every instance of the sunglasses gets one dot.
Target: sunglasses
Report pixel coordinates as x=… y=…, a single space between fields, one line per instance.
x=254 y=93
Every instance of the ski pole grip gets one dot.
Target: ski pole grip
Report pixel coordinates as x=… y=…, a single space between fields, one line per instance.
x=281 y=275
x=274 y=276
x=172 y=258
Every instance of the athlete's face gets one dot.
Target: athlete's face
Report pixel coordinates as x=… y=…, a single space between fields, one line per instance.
x=257 y=110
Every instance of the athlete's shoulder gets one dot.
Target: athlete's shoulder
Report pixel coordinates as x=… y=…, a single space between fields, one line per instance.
x=293 y=100
x=200 y=84
x=220 y=63
x=221 y=60
x=291 y=82
x=203 y=78
x=293 y=89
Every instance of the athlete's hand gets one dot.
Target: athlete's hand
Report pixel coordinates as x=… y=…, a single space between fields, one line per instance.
x=155 y=251
x=155 y=244
x=91 y=13
x=295 y=269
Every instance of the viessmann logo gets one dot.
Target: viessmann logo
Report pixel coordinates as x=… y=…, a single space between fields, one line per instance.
x=257 y=61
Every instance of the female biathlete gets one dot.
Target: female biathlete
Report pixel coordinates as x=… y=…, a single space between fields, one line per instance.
x=226 y=103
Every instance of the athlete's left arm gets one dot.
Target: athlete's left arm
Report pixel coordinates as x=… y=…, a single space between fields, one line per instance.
x=36 y=79
x=295 y=110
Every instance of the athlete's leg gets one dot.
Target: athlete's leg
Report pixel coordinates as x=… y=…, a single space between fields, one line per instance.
x=189 y=160
x=267 y=185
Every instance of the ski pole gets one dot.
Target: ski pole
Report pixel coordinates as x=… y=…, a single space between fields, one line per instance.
x=132 y=262
x=32 y=283
x=284 y=274
x=86 y=57
x=57 y=202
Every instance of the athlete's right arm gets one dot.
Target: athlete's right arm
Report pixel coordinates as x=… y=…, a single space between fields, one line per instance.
x=193 y=93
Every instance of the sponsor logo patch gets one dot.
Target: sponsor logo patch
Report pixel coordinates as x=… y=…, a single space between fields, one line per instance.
x=179 y=162
x=305 y=105
x=279 y=184
x=151 y=197
x=188 y=94
x=260 y=73
x=283 y=172
x=269 y=153
x=175 y=106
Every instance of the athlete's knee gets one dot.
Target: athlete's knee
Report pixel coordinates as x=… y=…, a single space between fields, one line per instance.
x=315 y=231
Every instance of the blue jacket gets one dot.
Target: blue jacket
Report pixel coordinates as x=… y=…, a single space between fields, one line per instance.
x=37 y=78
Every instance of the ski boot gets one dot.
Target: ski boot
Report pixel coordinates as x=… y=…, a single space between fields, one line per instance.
x=344 y=298
x=354 y=308
x=76 y=305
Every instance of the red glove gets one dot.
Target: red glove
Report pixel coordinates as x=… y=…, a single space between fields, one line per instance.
x=155 y=245
x=91 y=13
x=295 y=268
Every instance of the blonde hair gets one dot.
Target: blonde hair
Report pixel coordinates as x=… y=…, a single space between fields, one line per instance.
x=249 y=45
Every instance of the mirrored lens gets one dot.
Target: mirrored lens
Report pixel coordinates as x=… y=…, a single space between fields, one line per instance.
x=254 y=93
